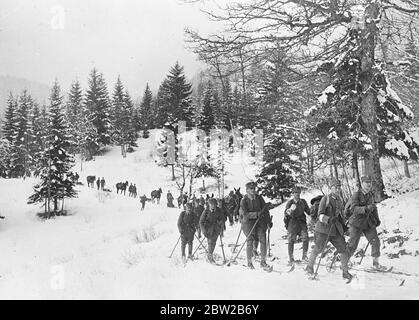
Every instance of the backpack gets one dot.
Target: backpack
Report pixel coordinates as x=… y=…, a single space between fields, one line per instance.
x=314 y=210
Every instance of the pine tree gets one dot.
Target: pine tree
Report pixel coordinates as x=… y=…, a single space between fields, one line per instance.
x=56 y=162
x=206 y=119
x=277 y=176
x=174 y=98
x=36 y=147
x=74 y=105
x=225 y=112
x=20 y=160
x=80 y=123
x=117 y=114
x=341 y=123
x=146 y=119
x=4 y=157
x=124 y=133
x=131 y=133
x=97 y=102
x=9 y=125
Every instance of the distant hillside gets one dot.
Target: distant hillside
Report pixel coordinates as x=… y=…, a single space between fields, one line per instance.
x=37 y=90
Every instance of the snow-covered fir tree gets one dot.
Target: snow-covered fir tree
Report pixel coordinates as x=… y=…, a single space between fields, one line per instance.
x=280 y=165
x=146 y=121
x=20 y=156
x=5 y=148
x=80 y=124
x=55 y=183
x=36 y=142
x=343 y=126
x=9 y=125
x=174 y=99
x=131 y=133
x=97 y=102
x=206 y=119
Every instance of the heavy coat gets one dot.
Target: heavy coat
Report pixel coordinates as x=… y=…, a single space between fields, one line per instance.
x=198 y=212
x=211 y=223
x=186 y=223
x=331 y=206
x=248 y=209
x=297 y=218
x=362 y=218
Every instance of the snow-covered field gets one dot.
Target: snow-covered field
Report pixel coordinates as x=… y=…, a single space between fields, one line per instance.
x=108 y=249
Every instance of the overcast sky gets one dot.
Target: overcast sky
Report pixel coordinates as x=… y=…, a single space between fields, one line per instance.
x=138 y=39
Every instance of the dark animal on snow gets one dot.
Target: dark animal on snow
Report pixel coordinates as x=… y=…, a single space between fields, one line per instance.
x=156 y=194
x=237 y=198
x=121 y=186
x=91 y=181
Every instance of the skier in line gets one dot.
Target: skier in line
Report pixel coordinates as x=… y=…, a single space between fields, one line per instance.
x=330 y=222
x=98 y=183
x=186 y=225
x=102 y=183
x=134 y=190
x=130 y=190
x=251 y=207
x=143 y=199
x=211 y=224
x=364 y=220
x=295 y=212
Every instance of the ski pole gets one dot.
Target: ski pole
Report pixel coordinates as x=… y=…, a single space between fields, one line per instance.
x=222 y=247
x=237 y=241
x=201 y=243
x=251 y=230
x=174 y=247
x=363 y=252
x=324 y=247
x=197 y=248
x=331 y=267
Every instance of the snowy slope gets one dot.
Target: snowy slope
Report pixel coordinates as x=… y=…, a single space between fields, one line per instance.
x=107 y=248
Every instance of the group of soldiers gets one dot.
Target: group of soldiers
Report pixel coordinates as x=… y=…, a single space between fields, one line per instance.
x=100 y=183
x=330 y=217
x=132 y=190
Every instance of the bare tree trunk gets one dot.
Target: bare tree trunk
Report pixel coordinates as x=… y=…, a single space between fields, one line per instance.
x=347 y=182
x=190 y=185
x=217 y=67
x=406 y=169
x=243 y=76
x=368 y=110
x=355 y=170
x=335 y=167
x=173 y=172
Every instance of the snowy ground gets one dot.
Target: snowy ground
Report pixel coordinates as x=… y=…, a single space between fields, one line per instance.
x=107 y=249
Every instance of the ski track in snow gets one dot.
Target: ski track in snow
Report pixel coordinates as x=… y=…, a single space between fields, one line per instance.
x=108 y=249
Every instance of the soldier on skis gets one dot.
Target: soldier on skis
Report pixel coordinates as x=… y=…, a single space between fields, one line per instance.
x=329 y=227
x=364 y=220
x=212 y=225
x=295 y=212
x=186 y=225
x=251 y=213
x=143 y=199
